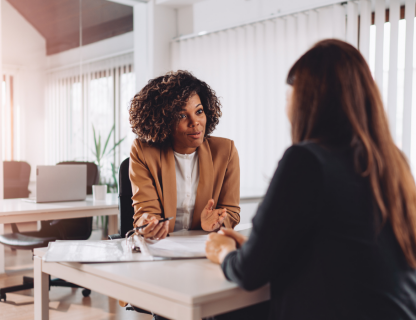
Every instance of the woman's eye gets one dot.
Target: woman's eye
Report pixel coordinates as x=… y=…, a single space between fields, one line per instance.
x=182 y=116
x=200 y=111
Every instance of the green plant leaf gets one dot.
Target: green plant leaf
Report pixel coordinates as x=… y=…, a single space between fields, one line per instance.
x=108 y=139
x=97 y=145
x=115 y=146
x=99 y=150
x=114 y=174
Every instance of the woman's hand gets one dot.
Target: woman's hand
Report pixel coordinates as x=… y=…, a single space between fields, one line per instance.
x=218 y=246
x=212 y=219
x=154 y=230
x=239 y=238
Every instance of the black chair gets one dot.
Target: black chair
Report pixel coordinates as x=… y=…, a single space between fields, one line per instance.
x=16 y=175
x=125 y=203
x=66 y=229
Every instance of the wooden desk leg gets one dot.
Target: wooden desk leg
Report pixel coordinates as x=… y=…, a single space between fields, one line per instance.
x=2 y=257
x=113 y=224
x=41 y=290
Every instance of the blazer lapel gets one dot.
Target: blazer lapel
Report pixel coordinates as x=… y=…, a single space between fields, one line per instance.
x=169 y=185
x=206 y=183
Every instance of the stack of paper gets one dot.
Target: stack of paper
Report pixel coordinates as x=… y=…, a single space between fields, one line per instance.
x=174 y=247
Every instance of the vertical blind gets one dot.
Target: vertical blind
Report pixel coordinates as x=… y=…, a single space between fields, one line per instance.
x=94 y=94
x=391 y=59
x=247 y=66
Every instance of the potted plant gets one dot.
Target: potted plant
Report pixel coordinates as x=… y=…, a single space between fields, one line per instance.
x=100 y=153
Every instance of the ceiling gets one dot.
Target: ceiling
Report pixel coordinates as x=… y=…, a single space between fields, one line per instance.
x=60 y=21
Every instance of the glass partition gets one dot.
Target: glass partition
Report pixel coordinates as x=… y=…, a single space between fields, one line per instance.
x=67 y=71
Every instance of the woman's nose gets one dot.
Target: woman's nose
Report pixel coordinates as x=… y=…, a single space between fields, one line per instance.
x=194 y=122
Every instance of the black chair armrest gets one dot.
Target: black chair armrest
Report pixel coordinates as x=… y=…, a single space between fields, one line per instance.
x=114 y=236
x=60 y=227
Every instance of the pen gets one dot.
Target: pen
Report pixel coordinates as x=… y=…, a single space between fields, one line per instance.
x=145 y=225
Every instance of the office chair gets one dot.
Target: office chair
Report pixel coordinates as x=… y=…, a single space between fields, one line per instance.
x=125 y=203
x=66 y=229
x=16 y=176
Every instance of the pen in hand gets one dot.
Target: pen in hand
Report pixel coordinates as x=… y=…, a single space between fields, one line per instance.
x=145 y=225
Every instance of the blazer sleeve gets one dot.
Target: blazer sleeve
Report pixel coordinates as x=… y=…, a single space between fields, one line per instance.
x=283 y=224
x=229 y=197
x=143 y=185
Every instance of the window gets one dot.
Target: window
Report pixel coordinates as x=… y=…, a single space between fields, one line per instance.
x=98 y=98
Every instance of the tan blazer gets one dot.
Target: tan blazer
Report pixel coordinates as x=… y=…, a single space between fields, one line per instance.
x=153 y=180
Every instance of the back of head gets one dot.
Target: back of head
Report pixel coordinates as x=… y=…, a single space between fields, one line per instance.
x=336 y=102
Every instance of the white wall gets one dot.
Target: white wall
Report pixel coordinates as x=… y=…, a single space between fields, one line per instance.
x=162 y=29
x=217 y=14
x=24 y=55
x=185 y=20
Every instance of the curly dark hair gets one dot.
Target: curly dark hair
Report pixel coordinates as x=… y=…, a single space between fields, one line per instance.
x=155 y=109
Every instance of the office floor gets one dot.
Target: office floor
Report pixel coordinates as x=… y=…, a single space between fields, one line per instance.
x=65 y=303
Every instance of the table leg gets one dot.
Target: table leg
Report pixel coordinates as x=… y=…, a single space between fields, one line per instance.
x=113 y=224
x=41 y=290
x=2 y=257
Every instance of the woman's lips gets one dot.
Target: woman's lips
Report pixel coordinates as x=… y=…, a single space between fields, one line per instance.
x=196 y=135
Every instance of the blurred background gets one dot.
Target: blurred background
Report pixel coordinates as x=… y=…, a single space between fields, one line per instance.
x=70 y=67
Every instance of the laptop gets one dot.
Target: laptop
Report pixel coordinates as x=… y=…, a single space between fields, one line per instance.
x=60 y=183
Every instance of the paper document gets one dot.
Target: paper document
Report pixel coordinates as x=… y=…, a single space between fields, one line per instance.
x=174 y=246
x=92 y=251
x=189 y=244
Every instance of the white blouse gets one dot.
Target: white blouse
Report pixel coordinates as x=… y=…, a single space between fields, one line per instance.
x=187 y=179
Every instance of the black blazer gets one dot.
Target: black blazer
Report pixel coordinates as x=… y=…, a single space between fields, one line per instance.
x=315 y=240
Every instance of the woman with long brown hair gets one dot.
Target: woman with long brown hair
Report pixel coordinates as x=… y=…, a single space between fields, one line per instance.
x=336 y=233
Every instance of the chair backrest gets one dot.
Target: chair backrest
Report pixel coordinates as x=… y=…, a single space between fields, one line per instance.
x=93 y=173
x=16 y=179
x=124 y=198
x=79 y=228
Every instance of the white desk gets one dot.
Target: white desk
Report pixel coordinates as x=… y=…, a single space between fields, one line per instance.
x=17 y=210
x=180 y=289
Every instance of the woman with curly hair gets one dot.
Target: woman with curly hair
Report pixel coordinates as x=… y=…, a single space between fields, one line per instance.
x=176 y=168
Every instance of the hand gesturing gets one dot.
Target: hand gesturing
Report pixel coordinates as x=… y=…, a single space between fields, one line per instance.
x=211 y=219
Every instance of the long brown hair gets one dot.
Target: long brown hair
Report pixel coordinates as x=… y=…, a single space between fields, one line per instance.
x=336 y=101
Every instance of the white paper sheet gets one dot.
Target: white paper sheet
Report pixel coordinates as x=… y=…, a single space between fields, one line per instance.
x=175 y=246
x=92 y=251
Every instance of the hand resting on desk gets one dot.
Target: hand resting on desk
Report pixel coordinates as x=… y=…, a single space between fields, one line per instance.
x=222 y=243
x=154 y=230
x=238 y=237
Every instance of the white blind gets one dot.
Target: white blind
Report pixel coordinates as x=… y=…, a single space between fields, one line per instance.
x=408 y=116
x=247 y=67
x=391 y=58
